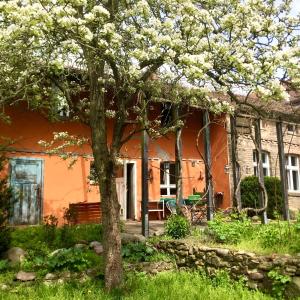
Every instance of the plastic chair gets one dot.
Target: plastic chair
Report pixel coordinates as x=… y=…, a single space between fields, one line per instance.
x=171 y=206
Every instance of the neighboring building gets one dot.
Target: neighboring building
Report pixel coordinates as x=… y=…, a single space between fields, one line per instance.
x=45 y=185
x=289 y=113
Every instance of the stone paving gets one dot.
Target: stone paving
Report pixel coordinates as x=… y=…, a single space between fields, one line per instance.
x=135 y=227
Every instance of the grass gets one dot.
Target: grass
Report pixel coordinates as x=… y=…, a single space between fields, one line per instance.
x=33 y=237
x=252 y=245
x=278 y=237
x=167 y=285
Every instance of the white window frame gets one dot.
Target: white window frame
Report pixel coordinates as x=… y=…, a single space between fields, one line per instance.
x=294 y=129
x=289 y=172
x=265 y=165
x=91 y=178
x=263 y=124
x=168 y=186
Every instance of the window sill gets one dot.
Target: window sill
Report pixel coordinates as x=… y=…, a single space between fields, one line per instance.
x=294 y=193
x=295 y=134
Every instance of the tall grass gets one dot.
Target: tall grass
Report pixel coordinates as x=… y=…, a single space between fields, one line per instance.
x=168 y=285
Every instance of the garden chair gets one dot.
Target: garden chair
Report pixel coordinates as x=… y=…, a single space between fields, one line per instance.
x=171 y=206
x=197 y=207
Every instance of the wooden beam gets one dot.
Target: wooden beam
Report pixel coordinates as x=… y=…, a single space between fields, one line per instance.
x=178 y=158
x=260 y=171
x=283 y=177
x=145 y=189
x=236 y=174
x=208 y=175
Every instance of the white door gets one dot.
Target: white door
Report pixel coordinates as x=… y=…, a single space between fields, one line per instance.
x=121 y=192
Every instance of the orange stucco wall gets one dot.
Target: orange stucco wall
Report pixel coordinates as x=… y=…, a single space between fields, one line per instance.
x=63 y=185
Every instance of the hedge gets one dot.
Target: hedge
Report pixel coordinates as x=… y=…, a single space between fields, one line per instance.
x=250 y=194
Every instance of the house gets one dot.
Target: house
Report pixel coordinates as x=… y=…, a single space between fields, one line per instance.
x=45 y=185
x=287 y=115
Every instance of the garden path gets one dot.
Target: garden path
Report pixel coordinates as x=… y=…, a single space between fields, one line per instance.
x=135 y=227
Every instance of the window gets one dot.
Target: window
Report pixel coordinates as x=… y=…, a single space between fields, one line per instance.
x=291 y=128
x=292 y=172
x=60 y=107
x=166 y=114
x=263 y=124
x=265 y=163
x=93 y=175
x=167 y=179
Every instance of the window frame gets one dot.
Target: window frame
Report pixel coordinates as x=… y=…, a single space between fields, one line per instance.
x=294 y=128
x=167 y=185
x=289 y=173
x=264 y=124
x=92 y=177
x=166 y=116
x=266 y=165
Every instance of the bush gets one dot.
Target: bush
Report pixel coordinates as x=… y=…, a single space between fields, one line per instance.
x=4 y=265
x=72 y=234
x=136 y=252
x=35 y=238
x=279 y=283
x=87 y=232
x=177 y=226
x=250 y=194
x=71 y=259
x=272 y=235
x=31 y=239
x=50 y=229
x=66 y=236
x=5 y=209
x=230 y=232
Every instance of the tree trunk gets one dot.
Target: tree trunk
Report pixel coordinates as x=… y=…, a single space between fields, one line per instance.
x=236 y=173
x=111 y=230
x=178 y=159
x=105 y=164
x=106 y=170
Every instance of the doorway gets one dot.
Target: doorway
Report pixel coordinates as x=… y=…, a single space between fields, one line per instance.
x=130 y=184
x=26 y=180
x=129 y=192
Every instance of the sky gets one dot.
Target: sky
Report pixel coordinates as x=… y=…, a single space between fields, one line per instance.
x=296 y=7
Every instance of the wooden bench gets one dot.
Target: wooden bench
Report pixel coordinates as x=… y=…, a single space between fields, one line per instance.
x=157 y=206
x=86 y=213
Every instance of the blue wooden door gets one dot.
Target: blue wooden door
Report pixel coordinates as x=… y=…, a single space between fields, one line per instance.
x=26 y=181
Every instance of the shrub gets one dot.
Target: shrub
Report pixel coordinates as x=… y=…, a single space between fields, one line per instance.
x=67 y=236
x=230 y=232
x=70 y=235
x=50 y=229
x=270 y=235
x=279 y=235
x=31 y=239
x=279 y=283
x=250 y=194
x=88 y=232
x=137 y=252
x=5 y=209
x=71 y=259
x=4 y=265
x=69 y=215
x=35 y=238
x=177 y=226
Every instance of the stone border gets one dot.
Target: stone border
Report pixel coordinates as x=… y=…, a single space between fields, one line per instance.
x=253 y=267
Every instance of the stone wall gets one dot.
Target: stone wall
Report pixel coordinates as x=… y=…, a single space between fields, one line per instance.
x=254 y=268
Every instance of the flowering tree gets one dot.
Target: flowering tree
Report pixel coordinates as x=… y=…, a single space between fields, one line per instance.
x=54 y=52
